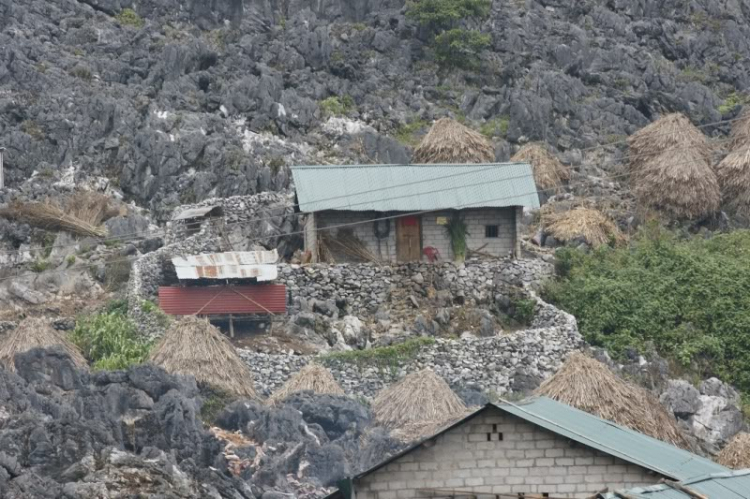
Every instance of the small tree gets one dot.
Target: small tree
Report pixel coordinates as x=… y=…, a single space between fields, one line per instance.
x=445 y=14
x=457 y=231
x=460 y=47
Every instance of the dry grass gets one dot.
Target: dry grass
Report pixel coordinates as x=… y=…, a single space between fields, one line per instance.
x=313 y=377
x=35 y=332
x=590 y=224
x=422 y=400
x=740 y=136
x=590 y=386
x=549 y=172
x=680 y=183
x=736 y=454
x=449 y=141
x=345 y=243
x=192 y=346
x=668 y=134
x=91 y=207
x=50 y=217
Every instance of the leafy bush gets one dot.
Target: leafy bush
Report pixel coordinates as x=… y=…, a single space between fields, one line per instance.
x=110 y=341
x=457 y=230
x=444 y=14
x=407 y=134
x=688 y=297
x=497 y=127
x=389 y=356
x=40 y=265
x=524 y=311
x=460 y=48
x=128 y=17
x=335 y=106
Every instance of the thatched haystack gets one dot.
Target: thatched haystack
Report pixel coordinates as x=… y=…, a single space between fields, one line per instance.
x=592 y=225
x=740 y=136
x=313 y=377
x=418 y=404
x=192 y=346
x=667 y=135
x=590 y=386
x=35 y=332
x=679 y=182
x=92 y=207
x=549 y=172
x=734 y=177
x=49 y=216
x=736 y=454
x=448 y=141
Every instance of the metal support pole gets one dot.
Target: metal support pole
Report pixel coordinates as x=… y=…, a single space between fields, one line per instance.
x=2 y=172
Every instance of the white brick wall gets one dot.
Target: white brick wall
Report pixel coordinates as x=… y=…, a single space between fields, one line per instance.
x=432 y=234
x=528 y=460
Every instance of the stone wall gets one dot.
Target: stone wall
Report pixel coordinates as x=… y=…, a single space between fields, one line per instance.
x=432 y=233
x=527 y=460
x=363 y=288
x=515 y=362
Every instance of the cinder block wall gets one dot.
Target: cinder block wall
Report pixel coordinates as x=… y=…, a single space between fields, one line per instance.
x=432 y=234
x=528 y=459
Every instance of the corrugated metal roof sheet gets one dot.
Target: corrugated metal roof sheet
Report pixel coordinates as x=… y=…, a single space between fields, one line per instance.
x=729 y=485
x=414 y=187
x=233 y=265
x=195 y=212
x=221 y=300
x=613 y=439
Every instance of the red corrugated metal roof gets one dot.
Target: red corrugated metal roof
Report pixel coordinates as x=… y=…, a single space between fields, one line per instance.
x=219 y=300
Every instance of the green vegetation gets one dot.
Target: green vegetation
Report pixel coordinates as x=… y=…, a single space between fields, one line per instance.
x=454 y=46
x=524 y=311
x=688 y=297
x=457 y=230
x=497 y=127
x=82 y=72
x=150 y=308
x=337 y=106
x=110 y=341
x=444 y=14
x=407 y=134
x=40 y=265
x=31 y=128
x=383 y=357
x=214 y=401
x=128 y=17
x=70 y=260
x=459 y=48
x=732 y=101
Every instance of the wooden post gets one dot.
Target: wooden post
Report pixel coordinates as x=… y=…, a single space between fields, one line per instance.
x=231 y=326
x=2 y=172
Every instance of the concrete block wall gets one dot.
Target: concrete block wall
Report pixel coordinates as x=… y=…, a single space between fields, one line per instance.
x=528 y=459
x=432 y=234
x=365 y=231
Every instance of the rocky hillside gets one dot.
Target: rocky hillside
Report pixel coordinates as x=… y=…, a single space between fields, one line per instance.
x=176 y=101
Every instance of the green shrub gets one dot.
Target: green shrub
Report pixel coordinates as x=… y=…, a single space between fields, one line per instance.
x=110 y=341
x=382 y=357
x=407 y=134
x=524 y=311
x=40 y=265
x=689 y=297
x=214 y=401
x=444 y=14
x=128 y=17
x=335 y=106
x=497 y=127
x=460 y=48
x=732 y=101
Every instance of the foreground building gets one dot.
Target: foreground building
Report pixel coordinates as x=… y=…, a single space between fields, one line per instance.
x=538 y=447
x=399 y=213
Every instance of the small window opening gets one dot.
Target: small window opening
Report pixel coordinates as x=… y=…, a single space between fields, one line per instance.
x=494 y=428
x=489 y=437
x=491 y=231
x=500 y=437
x=545 y=494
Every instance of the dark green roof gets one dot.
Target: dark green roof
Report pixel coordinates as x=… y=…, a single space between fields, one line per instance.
x=729 y=485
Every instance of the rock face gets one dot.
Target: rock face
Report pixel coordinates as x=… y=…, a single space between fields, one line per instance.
x=181 y=101
x=69 y=433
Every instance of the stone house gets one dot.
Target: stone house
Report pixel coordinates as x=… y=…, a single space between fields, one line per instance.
x=536 y=448
x=399 y=213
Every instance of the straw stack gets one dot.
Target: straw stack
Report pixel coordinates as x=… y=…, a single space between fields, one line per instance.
x=418 y=405
x=549 y=172
x=736 y=454
x=313 y=377
x=734 y=170
x=35 y=332
x=590 y=224
x=590 y=386
x=449 y=141
x=192 y=346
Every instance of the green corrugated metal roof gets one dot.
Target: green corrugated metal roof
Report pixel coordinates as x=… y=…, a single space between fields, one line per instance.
x=730 y=485
x=414 y=188
x=613 y=439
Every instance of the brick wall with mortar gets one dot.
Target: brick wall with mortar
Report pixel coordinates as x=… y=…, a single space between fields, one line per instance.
x=528 y=460
x=433 y=234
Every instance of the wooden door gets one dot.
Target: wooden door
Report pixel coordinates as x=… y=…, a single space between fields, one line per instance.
x=408 y=239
